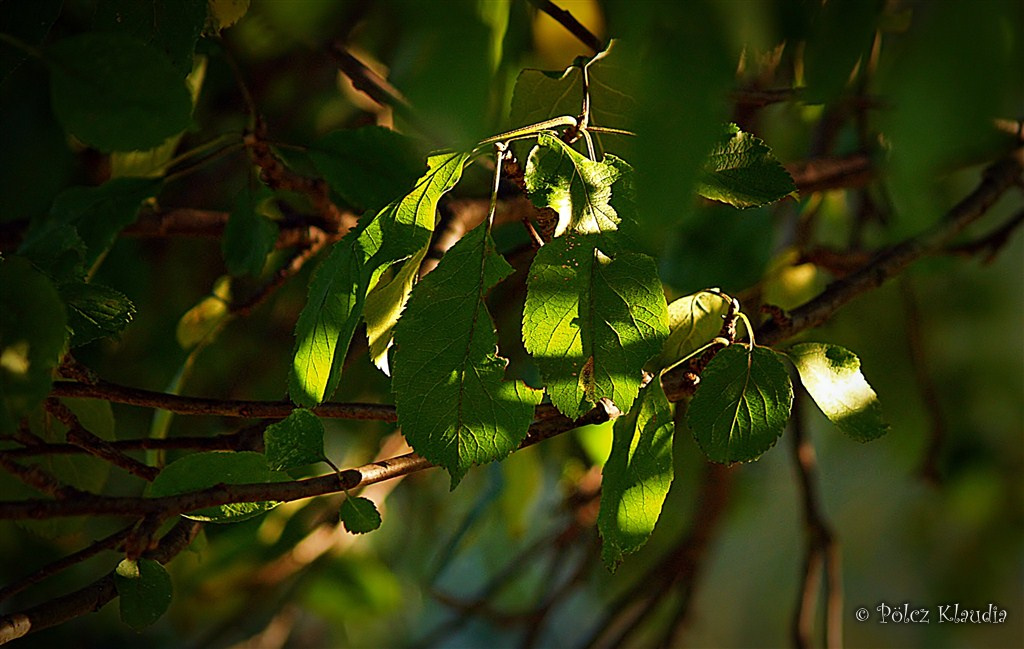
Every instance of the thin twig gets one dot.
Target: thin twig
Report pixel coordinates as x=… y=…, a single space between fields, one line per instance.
x=822 y=549
x=997 y=179
x=92 y=597
x=56 y=567
x=95 y=445
x=567 y=20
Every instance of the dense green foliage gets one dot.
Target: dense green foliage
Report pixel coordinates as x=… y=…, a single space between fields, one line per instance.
x=256 y=254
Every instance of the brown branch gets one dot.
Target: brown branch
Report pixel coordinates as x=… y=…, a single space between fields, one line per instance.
x=223 y=494
x=56 y=567
x=183 y=405
x=997 y=179
x=247 y=439
x=36 y=477
x=567 y=20
x=820 y=174
x=822 y=549
x=95 y=445
x=988 y=246
x=92 y=597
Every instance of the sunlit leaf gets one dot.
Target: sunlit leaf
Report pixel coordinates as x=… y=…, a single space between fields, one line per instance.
x=359 y=515
x=454 y=404
x=203 y=321
x=833 y=378
x=384 y=305
x=591 y=322
x=637 y=475
x=741 y=405
x=339 y=286
x=145 y=591
x=693 y=321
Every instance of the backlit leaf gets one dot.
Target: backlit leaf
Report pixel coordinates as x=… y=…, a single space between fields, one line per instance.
x=295 y=441
x=741 y=405
x=833 y=378
x=199 y=471
x=116 y=93
x=591 y=322
x=203 y=321
x=694 y=321
x=454 y=405
x=339 y=286
x=359 y=515
x=637 y=475
x=145 y=590
x=742 y=172
x=384 y=305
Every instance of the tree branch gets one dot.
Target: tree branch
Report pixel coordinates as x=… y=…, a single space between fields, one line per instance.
x=997 y=179
x=575 y=27
x=92 y=597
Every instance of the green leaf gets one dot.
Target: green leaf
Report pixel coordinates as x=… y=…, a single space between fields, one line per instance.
x=368 y=167
x=384 y=306
x=742 y=172
x=153 y=163
x=295 y=441
x=339 y=286
x=249 y=236
x=145 y=590
x=833 y=378
x=203 y=322
x=590 y=197
x=199 y=471
x=540 y=95
x=225 y=13
x=116 y=93
x=741 y=405
x=839 y=37
x=32 y=335
x=169 y=26
x=95 y=311
x=637 y=475
x=359 y=515
x=693 y=321
x=454 y=404
x=591 y=322
x=83 y=223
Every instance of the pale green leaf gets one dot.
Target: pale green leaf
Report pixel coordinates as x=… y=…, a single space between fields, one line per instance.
x=694 y=321
x=339 y=286
x=295 y=441
x=384 y=306
x=203 y=322
x=590 y=197
x=145 y=590
x=454 y=405
x=741 y=171
x=369 y=167
x=116 y=93
x=741 y=405
x=359 y=515
x=198 y=471
x=249 y=236
x=32 y=337
x=95 y=311
x=591 y=322
x=637 y=475
x=833 y=378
